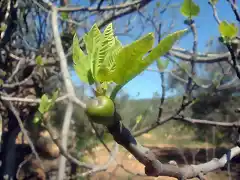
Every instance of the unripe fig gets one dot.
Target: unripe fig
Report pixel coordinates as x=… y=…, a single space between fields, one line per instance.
x=101 y=110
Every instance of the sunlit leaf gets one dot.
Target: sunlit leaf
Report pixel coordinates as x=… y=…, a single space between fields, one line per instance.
x=164 y=46
x=93 y=41
x=108 y=67
x=228 y=30
x=189 y=9
x=107 y=42
x=108 y=61
x=92 y=38
x=129 y=59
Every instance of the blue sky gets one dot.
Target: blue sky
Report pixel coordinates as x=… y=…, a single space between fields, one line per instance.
x=148 y=82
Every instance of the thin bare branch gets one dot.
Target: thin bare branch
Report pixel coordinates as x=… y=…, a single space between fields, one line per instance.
x=64 y=141
x=13 y=85
x=63 y=151
x=215 y=14
x=28 y=100
x=24 y=131
x=235 y=9
x=207 y=58
x=194 y=56
x=99 y=9
x=104 y=167
x=207 y=122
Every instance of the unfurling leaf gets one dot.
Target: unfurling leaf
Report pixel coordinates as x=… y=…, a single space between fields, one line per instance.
x=189 y=9
x=107 y=61
x=228 y=30
x=107 y=42
x=82 y=63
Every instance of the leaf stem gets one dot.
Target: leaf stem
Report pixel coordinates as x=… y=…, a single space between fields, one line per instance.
x=115 y=91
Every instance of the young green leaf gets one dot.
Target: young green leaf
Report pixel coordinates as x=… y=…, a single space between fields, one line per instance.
x=44 y=104
x=93 y=41
x=228 y=30
x=189 y=9
x=1 y=82
x=64 y=15
x=47 y=103
x=82 y=64
x=162 y=64
x=140 y=64
x=39 y=60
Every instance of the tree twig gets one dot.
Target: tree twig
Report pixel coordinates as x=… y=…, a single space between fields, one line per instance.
x=24 y=131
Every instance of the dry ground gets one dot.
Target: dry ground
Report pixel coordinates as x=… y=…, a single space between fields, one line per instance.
x=128 y=167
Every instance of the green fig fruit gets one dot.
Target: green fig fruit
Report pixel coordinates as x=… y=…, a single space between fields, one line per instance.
x=101 y=110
